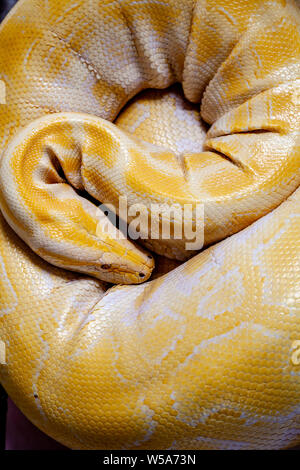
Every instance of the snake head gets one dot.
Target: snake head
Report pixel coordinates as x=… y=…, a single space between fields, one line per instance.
x=40 y=176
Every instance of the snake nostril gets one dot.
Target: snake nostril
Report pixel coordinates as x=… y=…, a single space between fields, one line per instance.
x=141 y=274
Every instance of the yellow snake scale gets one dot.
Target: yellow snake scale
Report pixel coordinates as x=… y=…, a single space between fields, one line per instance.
x=165 y=101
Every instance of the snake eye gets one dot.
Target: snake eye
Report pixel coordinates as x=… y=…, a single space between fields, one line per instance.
x=106 y=266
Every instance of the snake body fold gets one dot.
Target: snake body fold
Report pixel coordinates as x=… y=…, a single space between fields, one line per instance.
x=166 y=102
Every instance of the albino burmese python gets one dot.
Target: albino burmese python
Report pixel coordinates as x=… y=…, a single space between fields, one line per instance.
x=200 y=355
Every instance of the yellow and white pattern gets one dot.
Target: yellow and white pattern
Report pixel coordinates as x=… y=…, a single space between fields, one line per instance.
x=169 y=101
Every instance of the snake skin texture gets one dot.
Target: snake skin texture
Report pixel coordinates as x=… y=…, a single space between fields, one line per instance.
x=165 y=101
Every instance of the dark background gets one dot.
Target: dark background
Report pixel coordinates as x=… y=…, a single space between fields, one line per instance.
x=5 y=6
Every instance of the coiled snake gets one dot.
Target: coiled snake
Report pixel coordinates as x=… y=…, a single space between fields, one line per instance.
x=168 y=102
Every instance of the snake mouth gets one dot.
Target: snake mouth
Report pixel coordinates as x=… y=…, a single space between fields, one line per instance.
x=117 y=275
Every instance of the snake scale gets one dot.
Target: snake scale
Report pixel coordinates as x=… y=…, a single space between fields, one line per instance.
x=167 y=102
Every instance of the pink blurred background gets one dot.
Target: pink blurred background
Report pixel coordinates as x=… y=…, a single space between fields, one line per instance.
x=22 y=435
